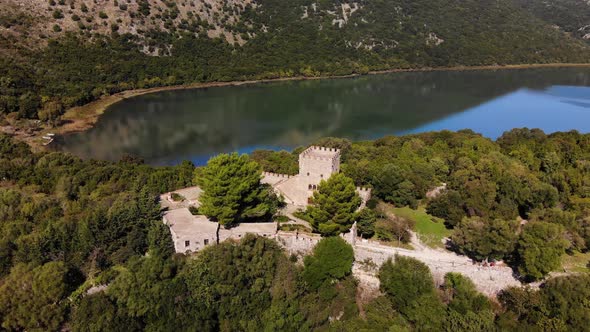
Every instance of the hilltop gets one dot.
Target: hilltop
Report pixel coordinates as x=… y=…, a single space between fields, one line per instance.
x=570 y=16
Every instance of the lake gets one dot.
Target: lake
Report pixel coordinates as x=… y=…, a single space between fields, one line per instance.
x=165 y=128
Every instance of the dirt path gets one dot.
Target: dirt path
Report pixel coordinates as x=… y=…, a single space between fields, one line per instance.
x=488 y=280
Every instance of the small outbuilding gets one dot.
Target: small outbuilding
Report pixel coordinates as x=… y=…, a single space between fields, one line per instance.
x=189 y=232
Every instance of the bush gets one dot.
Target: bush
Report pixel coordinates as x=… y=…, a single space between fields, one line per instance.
x=193 y=210
x=331 y=260
x=366 y=219
x=177 y=197
x=409 y=284
x=393 y=229
x=57 y=14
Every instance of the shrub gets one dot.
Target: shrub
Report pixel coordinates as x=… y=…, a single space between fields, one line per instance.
x=58 y=14
x=177 y=197
x=332 y=260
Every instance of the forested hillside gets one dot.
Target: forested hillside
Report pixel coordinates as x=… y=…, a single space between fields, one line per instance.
x=59 y=54
x=571 y=16
x=83 y=248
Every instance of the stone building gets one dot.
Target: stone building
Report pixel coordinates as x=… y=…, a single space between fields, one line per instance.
x=191 y=233
x=315 y=164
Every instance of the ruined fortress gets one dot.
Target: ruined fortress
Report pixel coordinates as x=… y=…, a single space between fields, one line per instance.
x=316 y=163
x=192 y=233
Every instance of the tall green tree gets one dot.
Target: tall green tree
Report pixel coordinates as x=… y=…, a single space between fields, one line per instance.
x=159 y=240
x=229 y=285
x=98 y=312
x=33 y=298
x=331 y=260
x=392 y=185
x=567 y=299
x=366 y=219
x=540 y=248
x=448 y=206
x=232 y=191
x=333 y=205
x=485 y=239
x=467 y=309
x=409 y=284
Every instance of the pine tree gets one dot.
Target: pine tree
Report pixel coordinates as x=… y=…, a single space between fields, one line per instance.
x=334 y=205
x=232 y=191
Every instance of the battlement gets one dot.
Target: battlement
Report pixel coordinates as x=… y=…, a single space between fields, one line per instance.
x=362 y=190
x=365 y=194
x=320 y=153
x=277 y=175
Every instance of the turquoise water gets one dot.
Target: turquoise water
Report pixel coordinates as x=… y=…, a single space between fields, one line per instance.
x=168 y=127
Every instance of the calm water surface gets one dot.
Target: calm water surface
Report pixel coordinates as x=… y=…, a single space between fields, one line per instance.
x=168 y=127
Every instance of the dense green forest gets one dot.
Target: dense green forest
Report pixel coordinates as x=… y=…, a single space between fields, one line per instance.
x=79 y=66
x=572 y=16
x=70 y=227
x=492 y=187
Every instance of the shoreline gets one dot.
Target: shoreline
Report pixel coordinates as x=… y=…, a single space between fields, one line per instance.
x=81 y=118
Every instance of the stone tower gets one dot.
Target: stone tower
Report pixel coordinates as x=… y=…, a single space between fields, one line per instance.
x=317 y=164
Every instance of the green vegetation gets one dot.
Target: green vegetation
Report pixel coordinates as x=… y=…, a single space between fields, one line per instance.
x=281 y=162
x=67 y=225
x=82 y=65
x=331 y=261
x=392 y=228
x=492 y=187
x=333 y=205
x=486 y=240
x=177 y=197
x=540 y=248
x=431 y=230
x=232 y=191
x=569 y=15
x=559 y=305
x=366 y=219
x=408 y=284
x=576 y=262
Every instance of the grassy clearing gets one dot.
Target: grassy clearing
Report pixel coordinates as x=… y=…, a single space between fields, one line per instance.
x=431 y=230
x=578 y=262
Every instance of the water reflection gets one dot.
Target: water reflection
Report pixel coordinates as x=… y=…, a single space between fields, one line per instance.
x=548 y=110
x=168 y=127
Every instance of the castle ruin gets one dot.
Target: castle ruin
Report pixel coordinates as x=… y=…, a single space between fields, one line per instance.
x=316 y=163
x=191 y=233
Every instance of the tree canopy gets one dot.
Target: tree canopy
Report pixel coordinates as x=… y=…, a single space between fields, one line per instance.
x=540 y=248
x=331 y=260
x=82 y=245
x=232 y=191
x=333 y=205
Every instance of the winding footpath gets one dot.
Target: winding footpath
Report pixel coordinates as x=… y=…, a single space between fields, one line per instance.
x=489 y=280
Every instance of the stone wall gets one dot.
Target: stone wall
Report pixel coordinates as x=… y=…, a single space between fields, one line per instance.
x=365 y=194
x=370 y=255
x=297 y=243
